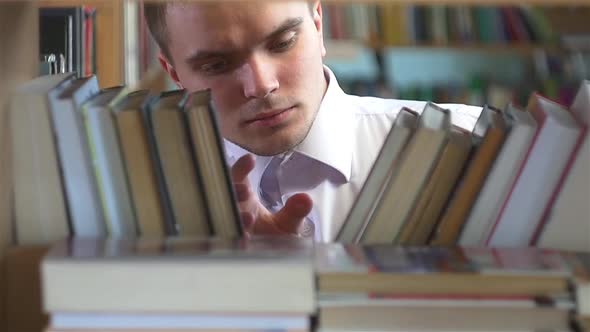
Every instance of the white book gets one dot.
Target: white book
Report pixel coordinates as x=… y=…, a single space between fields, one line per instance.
x=172 y=275
x=152 y=321
x=381 y=173
x=568 y=224
x=546 y=160
x=108 y=164
x=83 y=201
x=500 y=179
x=39 y=204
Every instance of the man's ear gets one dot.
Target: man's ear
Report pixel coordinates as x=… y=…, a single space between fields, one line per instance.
x=169 y=69
x=317 y=20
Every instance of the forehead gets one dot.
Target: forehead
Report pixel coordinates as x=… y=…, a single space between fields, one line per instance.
x=234 y=23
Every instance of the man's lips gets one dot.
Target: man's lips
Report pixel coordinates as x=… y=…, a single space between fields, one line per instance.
x=268 y=116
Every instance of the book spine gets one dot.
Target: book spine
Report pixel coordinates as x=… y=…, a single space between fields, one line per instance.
x=540 y=117
x=555 y=194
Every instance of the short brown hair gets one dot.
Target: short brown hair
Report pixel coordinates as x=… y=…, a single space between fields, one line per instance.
x=155 y=17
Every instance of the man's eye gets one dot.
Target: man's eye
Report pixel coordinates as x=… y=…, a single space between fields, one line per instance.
x=214 y=67
x=284 y=45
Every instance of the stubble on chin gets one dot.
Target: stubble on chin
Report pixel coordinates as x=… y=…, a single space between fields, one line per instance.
x=273 y=144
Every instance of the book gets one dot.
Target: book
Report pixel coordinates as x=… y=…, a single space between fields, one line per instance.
x=440 y=271
x=381 y=171
x=40 y=210
x=489 y=134
x=109 y=170
x=538 y=178
x=428 y=317
x=186 y=322
x=206 y=329
x=209 y=152
x=405 y=186
x=86 y=217
x=580 y=262
x=184 y=188
x=568 y=220
x=139 y=165
x=426 y=212
x=180 y=274
x=500 y=177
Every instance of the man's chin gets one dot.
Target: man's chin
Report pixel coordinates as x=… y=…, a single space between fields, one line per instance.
x=269 y=151
x=270 y=146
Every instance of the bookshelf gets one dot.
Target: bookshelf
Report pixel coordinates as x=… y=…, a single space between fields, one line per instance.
x=19 y=62
x=536 y=42
x=519 y=48
x=109 y=41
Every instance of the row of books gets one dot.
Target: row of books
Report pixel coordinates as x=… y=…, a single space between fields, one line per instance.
x=292 y=284
x=110 y=162
x=480 y=91
x=394 y=24
x=499 y=185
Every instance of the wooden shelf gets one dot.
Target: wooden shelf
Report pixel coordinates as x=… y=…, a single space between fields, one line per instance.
x=459 y=2
x=109 y=38
x=522 y=48
x=437 y=2
x=349 y=48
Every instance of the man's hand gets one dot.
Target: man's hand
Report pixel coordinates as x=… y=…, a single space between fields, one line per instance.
x=255 y=217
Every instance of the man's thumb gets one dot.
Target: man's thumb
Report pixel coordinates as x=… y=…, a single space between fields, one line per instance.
x=290 y=217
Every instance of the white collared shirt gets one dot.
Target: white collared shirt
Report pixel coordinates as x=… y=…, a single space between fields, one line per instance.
x=333 y=161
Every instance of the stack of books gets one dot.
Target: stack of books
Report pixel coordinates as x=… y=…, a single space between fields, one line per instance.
x=292 y=284
x=179 y=284
x=114 y=162
x=520 y=178
x=389 y=288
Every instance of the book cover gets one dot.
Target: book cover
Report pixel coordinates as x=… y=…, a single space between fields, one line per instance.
x=176 y=274
x=440 y=271
x=139 y=164
x=416 y=165
x=500 y=178
x=209 y=152
x=489 y=134
x=109 y=170
x=174 y=156
x=521 y=214
x=382 y=171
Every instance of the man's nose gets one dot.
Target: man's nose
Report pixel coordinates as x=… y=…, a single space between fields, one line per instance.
x=259 y=77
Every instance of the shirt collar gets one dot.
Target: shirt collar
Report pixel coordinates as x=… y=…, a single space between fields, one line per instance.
x=329 y=140
x=331 y=136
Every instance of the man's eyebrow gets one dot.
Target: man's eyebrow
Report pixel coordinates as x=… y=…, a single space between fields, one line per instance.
x=289 y=24
x=201 y=55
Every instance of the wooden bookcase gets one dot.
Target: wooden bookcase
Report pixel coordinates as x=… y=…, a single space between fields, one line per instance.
x=19 y=275
x=109 y=40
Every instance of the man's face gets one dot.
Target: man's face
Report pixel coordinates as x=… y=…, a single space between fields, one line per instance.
x=262 y=61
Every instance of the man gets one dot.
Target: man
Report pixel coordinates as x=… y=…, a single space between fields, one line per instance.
x=263 y=61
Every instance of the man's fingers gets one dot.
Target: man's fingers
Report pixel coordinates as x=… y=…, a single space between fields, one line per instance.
x=242 y=167
x=290 y=217
x=247 y=220
x=243 y=192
